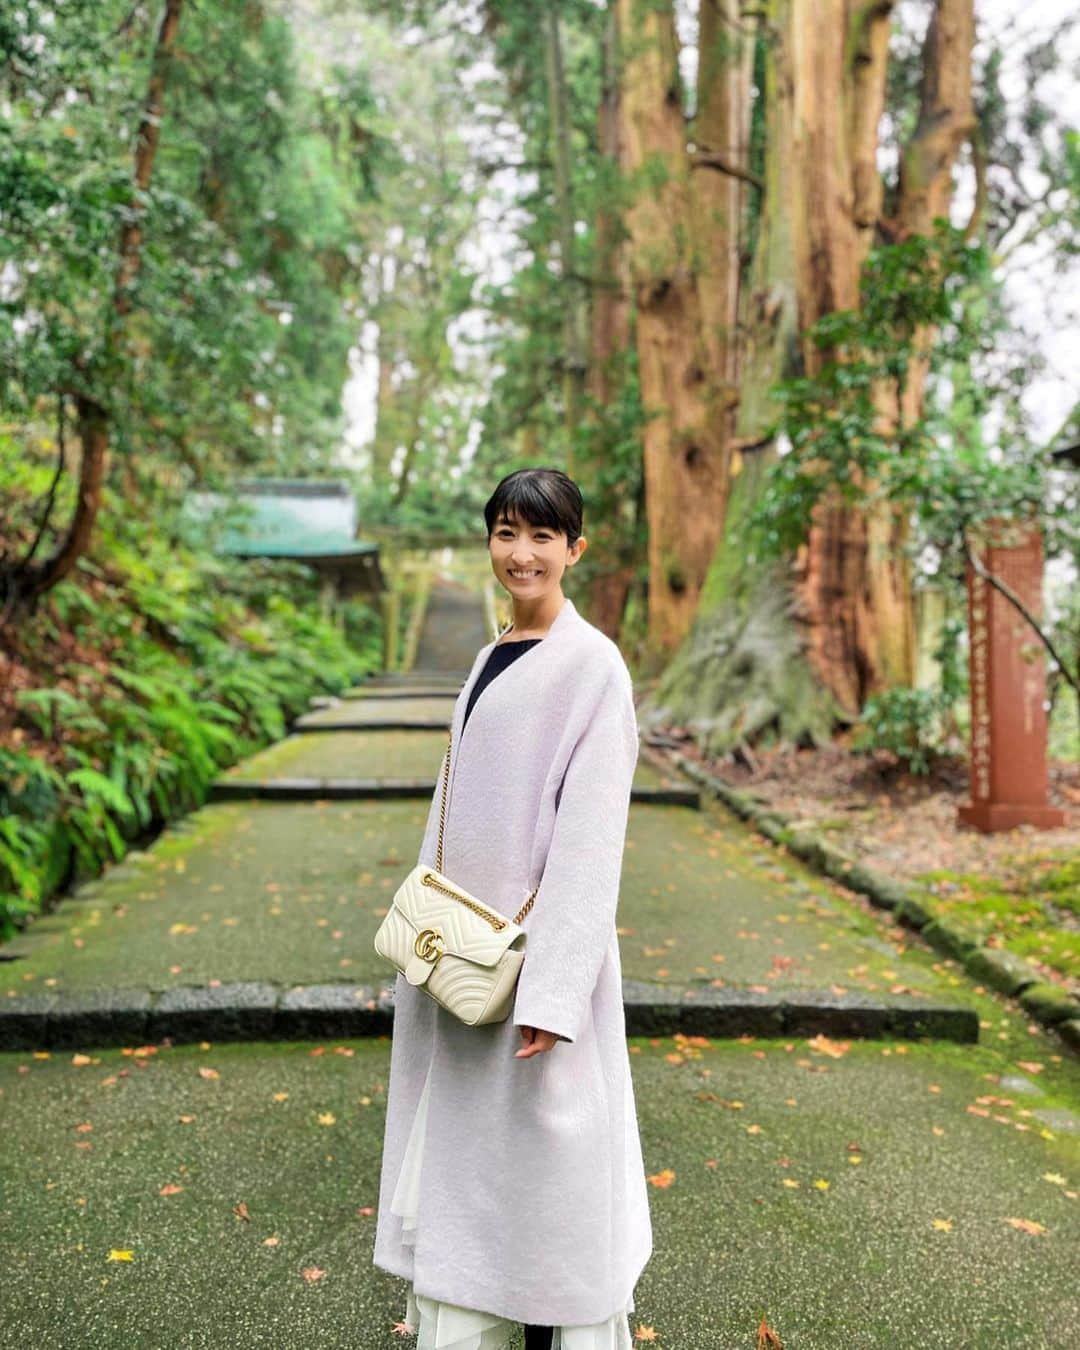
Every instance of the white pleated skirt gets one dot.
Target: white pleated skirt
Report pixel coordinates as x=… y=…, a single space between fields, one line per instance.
x=446 y=1326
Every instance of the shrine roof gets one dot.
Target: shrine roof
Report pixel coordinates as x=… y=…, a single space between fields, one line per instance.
x=280 y=518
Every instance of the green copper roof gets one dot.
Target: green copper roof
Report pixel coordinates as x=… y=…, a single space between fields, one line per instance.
x=280 y=518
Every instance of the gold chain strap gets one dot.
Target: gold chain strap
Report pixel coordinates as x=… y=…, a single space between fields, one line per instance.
x=442 y=825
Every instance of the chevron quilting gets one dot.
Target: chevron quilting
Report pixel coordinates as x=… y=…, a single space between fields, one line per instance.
x=465 y=933
x=475 y=976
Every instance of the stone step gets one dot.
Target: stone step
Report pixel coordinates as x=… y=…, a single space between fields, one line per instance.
x=396 y=719
x=358 y=789
x=403 y=692
x=255 y=1010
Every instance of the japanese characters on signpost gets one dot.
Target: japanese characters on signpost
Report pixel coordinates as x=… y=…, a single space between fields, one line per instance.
x=1007 y=664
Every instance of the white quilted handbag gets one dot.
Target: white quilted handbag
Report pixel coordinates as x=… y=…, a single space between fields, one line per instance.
x=451 y=945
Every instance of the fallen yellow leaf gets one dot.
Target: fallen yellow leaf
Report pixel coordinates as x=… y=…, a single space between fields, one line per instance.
x=835 y=1049
x=1028 y=1226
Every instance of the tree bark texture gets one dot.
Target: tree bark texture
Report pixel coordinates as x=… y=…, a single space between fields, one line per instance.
x=821 y=210
x=574 y=356
x=610 y=335
x=683 y=457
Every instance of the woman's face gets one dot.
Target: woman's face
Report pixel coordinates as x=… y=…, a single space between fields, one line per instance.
x=530 y=559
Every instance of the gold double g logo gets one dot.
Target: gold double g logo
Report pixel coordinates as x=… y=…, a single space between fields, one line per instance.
x=429 y=945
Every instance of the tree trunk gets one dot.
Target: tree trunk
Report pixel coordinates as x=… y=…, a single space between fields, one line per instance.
x=836 y=46
x=682 y=447
x=574 y=357
x=847 y=593
x=719 y=188
x=946 y=121
x=94 y=418
x=387 y=417
x=610 y=335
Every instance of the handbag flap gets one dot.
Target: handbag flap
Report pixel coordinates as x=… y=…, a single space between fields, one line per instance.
x=464 y=929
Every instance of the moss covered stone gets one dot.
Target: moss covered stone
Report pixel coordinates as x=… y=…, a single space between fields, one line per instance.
x=1000 y=969
x=1049 y=1003
x=950 y=937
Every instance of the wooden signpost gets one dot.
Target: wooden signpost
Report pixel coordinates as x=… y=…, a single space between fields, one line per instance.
x=1007 y=664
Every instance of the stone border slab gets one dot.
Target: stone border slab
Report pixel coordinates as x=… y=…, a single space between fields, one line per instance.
x=84 y=1016
x=223 y=1012
x=357 y=789
x=418 y=675
x=448 y=692
x=1004 y=971
x=308 y=722
x=254 y=1010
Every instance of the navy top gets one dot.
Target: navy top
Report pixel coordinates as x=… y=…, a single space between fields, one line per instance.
x=500 y=656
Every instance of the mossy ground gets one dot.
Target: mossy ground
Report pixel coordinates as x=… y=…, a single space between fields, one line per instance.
x=855 y=1194
x=1037 y=916
x=864 y=1194
x=293 y=893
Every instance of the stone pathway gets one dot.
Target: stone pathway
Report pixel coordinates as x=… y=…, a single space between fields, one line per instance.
x=255 y=916
x=871 y=1195
x=909 y=1190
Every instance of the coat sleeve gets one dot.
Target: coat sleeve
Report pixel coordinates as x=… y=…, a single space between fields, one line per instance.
x=572 y=919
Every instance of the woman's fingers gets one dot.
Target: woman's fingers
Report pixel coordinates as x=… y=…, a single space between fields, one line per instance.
x=536 y=1042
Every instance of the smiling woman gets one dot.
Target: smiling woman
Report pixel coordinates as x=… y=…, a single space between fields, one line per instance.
x=514 y=1192
x=534 y=535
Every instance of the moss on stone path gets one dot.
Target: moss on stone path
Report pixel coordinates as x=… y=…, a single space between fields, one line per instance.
x=293 y=894
x=390 y=710
x=374 y=754
x=879 y=1195
x=1035 y=914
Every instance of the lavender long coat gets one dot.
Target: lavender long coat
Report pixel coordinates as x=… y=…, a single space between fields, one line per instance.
x=533 y=1203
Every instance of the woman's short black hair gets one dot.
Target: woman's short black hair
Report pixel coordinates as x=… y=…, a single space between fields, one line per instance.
x=540 y=497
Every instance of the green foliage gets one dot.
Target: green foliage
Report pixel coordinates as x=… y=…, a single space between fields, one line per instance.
x=524 y=420
x=940 y=469
x=939 y=472
x=919 y=725
x=172 y=665
x=904 y=721
x=835 y=437
x=237 y=346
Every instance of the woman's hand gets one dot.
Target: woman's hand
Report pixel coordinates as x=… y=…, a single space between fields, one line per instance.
x=536 y=1042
